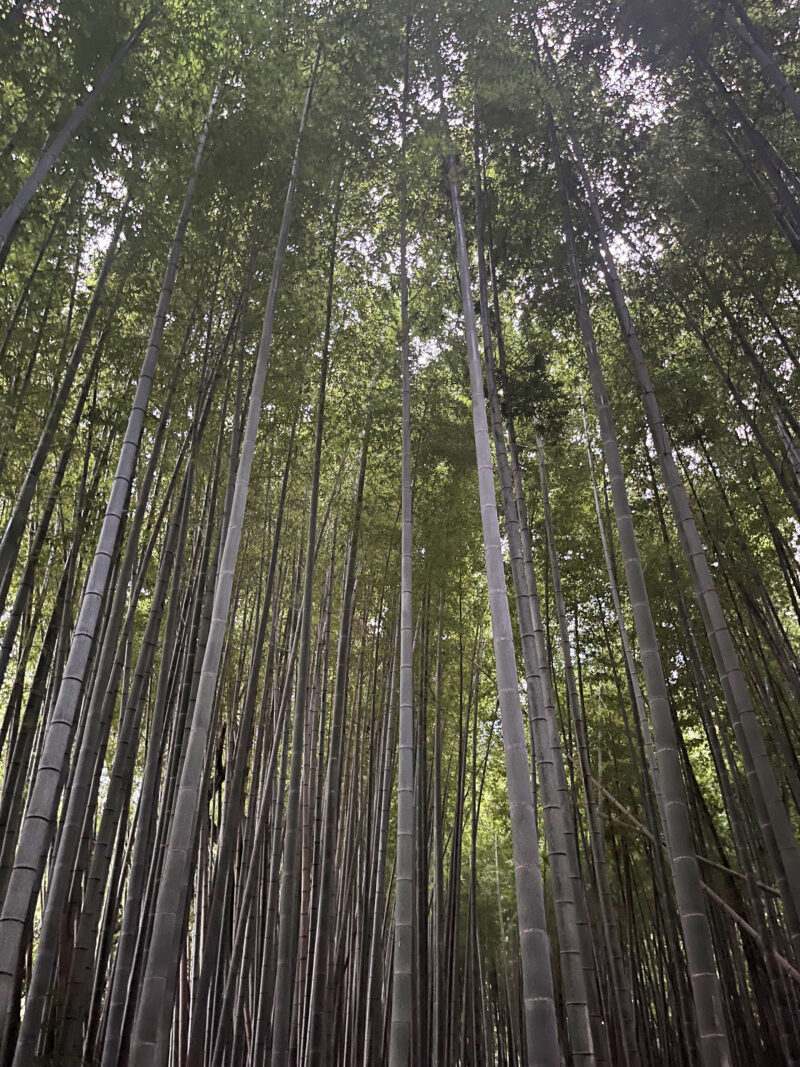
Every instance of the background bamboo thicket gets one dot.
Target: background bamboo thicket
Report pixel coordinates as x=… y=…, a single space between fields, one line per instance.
x=399 y=533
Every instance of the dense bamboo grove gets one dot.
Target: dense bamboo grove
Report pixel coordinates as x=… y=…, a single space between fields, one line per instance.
x=399 y=533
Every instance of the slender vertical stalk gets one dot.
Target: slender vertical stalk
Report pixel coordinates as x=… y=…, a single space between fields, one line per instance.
x=39 y=825
x=402 y=1025
x=677 y=825
x=60 y=140
x=152 y=1024
x=540 y=1017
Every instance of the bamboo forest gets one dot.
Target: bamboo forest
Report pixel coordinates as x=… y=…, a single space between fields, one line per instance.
x=399 y=533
